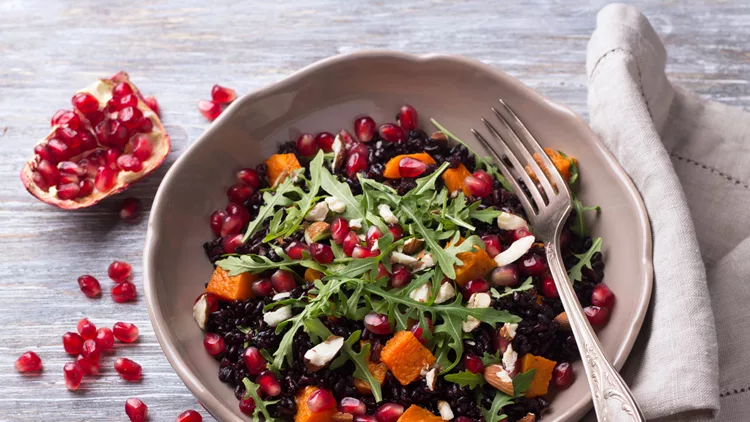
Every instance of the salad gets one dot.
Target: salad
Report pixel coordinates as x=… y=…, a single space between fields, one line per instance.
x=391 y=276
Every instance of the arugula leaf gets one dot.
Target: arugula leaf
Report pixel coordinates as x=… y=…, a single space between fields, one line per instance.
x=251 y=390
x=257 y=264
x=488 y=359
x=528 y=284
x=575 y=273
x=487 y=215
x=452 y=331
x=270 y=202
x=578 y=226
x=522 y=382
x=573 y=181
x=341 y=190
x=427 y=183
x=466 y=378
x=493 y=413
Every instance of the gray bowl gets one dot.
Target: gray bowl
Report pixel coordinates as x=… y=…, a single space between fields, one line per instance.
x=327 y=95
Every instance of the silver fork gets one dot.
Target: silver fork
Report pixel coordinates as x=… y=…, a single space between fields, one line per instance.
x=547 y=211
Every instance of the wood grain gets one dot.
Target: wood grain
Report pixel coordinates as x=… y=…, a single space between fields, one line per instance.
x=177 y=51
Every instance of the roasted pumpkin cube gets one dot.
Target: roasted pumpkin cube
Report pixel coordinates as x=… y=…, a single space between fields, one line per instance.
x=542 y=376
x=238 y=287
x=280 y=166
x=454 y=179
x=405 y=357
x=474 y=264
x=304 y=414
x=378 y=370
x=391 y=167
x=416 y=414
x=562 y=164
x=312 y=275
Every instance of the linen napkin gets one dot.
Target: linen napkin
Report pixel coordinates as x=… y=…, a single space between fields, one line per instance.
x=689 y=158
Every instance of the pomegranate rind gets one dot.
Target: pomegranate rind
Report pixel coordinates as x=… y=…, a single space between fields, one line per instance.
x=102 y=90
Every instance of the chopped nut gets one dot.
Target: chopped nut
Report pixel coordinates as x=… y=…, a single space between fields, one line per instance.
x=355 y=224
x=516 y=250
x=508 y=221
x=321 y=355
x=446 y=293
x=400 y=258
x=508 y=331
x=439 y=137
x=498 y=377
x=477 y=300
x=342 y=417
x=317 y=212
x=445 y=410
x=530 y=417
x=430 y=378
x=385 y=212
x=510 y=357
x=562 y=321
x=413 y=245
x=335 y=204
x=317 y=231
x=339 y=154
x=200 y=312
x=278 y=316
x=421 y=294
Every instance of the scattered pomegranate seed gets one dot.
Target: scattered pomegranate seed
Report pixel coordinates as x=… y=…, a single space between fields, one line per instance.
x=126 y=332
x=232 y=224
x=262 y=287
x=339 y=230
x=254 y=360
x=89 y=286
x=355 y=163
x=283 y=281
x=321 y=253
x=268 y=383
x=533 y=265
x=325 y=141
x=212 y=303
x=214 y=344
x=418 y=331
x=230 y=244
x=239 y=193
x=411 y=167
x=596 y=315
x=297 y=250
x=72 y=343
x=365 y=418
x=377 y=323
x=359 y=252
x=563 y=376
x=90 y=350
x=88 y=365
x=209 y=109
x=189 y=416
x=128 y=370
x=347 y=138
x=549 y=290
x=350 y=242
x=352 y=406
x=364 y=128
x=483 y=175
x=223 y=95
x=477 y=285
x=396 y=230
x=123 y=292
x=382 y=272
x=121 y=89
x=152 y=104
x=73 y=375
x=492 y=244
x=373 y=234
x=320 y=401
x=248 y=177
x=120 y=271
x=391 y=133
x=408 y=118
x=29 y=362
x=520 y=233
x=602 y=296
x=306 y=145
x=478 y=187
x=104 y=339
x=86 y=329
x=247 y=405
x=389 y=412
x=358 y=148
x=136 y=410
x=239 y=211
x=401 y=276
x=130 y=209
x=473 y=364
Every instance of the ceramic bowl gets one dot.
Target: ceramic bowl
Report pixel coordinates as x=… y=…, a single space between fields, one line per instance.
x=456 y=91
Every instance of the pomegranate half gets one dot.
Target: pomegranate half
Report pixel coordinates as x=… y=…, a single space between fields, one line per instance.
x=109 y=140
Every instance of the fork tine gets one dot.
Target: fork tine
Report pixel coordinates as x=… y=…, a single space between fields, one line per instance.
x=529 y=139
x=522 y=149
x=507 y=173
x=530 y=185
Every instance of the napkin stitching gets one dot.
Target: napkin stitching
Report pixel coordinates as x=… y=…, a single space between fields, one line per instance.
x=637 y=67
x=712 y=170
x=730 y=393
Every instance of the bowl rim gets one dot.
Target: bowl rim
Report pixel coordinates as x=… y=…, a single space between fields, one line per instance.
x=161 y=327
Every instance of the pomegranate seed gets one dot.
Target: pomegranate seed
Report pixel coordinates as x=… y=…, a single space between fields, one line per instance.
x=418 y=331
x=596 y=315
x=391 y=133
x=130 y=209
x=49 y=172
x=268 y=383
x=90 y=350
x=73 y=375
x=125 y=101
x=492 y=244
x=136 y=410
x=212 y=302
x=214 y=344
x=86 y=329
x=39 y=181
x=473 y=364
x=283 y=281
x=365 y=418
x=339 y=230
x=58 y=149
x=408 y=117
x=248 y=177
x=602 y=296
x=364 y=128
x=66 y=179
x=130 y=117
x=89 y=366
x=69 y=167
x=321 y=253
x=111 y=156
x=377 y=323
x=401 y=276
x=533 y=265
x=128 y=370
x=68 y=120
x=477 y=285
x=222 y=94
x=239 y=211
x=373 y=234
x=68 y=190
x=347 y=138
x=118 y=134
x=105 y=179
x=389 y=412
x=263 y=287
x=239 y=193
x=520 y=233
x=28 y=362
x=209 y=109
x=355 y=163
x=350 y=242
x=232 y=224
x=352 y=406
x=87 y=141
x=145 y=125
x=128 y=162
x=478 y=187
x=56 y=117
x=152 y=104
x=320 y=401
x=254 y=360
x=396 y=230
x=549 y=290
x=120 y=271
x=127 y=332
x=121 y=89
x=563 y=376
x=72 y=343
x=247 y=405
x=483 y=175
x=105 y=339
x=85 y=188
x=383 y=272
x=306 y=145
x=410 y=167
x=325 y=141
x=360 y=252
x=189 y=416
x=95 y=117
x=42 y=152
x=297 y=250
x=123 y=292
x=231 y=243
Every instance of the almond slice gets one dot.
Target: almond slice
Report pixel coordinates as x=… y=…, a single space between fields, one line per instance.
x=498 y=377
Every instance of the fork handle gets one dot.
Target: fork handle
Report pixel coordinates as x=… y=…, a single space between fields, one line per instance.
x=613 y=401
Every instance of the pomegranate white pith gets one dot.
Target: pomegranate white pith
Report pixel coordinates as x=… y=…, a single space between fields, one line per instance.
x=74 y=166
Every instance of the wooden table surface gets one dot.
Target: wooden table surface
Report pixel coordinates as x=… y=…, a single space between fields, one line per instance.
x=48 y=49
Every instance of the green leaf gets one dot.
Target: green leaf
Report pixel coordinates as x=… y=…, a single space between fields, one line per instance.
x=487 y=215
x=452 y=340
x=522 y=382
x=573 y=182
x=578 y=226
x=270 y=202
x=466 y=379
x=427 y=183
x=528 y=284
x=493 y=413
x=251 y=390
x=488 y=359
x=257 y=264
x=342 y=191
x=575 y=273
